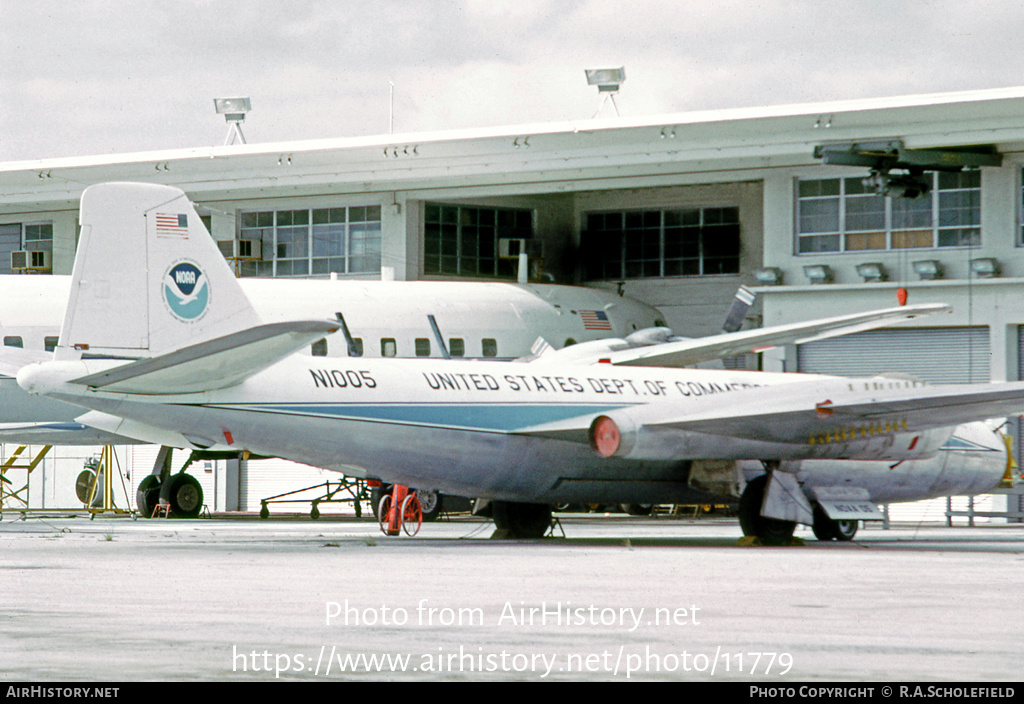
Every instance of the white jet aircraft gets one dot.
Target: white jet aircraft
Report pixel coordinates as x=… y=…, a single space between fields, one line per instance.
x=599 y=421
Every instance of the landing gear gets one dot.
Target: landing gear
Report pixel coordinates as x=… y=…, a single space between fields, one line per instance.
x=521 y=521
x=771 y=531
x=185 y=496
x=148 y=495
x=826 y=528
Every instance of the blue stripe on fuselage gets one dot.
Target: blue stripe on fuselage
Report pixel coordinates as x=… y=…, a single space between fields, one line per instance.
x=493 y=417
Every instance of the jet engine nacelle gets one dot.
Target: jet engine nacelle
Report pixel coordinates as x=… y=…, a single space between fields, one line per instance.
x=621 y=435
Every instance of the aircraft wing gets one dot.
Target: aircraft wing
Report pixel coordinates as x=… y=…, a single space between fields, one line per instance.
x=797 y=412
x=680 y=353
x=213 y=364
x=818 y=411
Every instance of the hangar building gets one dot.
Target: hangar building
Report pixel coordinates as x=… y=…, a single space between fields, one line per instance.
x=677 y=210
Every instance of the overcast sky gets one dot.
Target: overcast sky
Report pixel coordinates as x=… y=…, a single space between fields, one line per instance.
x=83 y=77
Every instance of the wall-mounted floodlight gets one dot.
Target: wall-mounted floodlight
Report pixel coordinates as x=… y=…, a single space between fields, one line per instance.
x=818 y=273
x=872 y=272
x=607 y=81
x=768 y=276
x=928 y=269
x=233 y=110
x=985 y=268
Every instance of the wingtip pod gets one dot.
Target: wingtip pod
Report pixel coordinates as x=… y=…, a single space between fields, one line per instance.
x=148 y=277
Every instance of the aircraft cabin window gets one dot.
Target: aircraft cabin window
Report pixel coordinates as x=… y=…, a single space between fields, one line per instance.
x=490 y=347
x=422 y=347
x=457 y=347
x=13 y=341
x=319 y=348
x=569 y=342
x=357 y=347
x=388 y=347
x=50 y=343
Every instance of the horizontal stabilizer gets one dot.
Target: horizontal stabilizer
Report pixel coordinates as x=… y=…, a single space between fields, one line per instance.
x=13 y=358
x=57 y=433
x=213 y=364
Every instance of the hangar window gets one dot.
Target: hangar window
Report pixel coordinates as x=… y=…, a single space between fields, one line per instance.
x=658 y=243
x=317 y=241
x=842 y=215
x=463 y=240
x=25 y=237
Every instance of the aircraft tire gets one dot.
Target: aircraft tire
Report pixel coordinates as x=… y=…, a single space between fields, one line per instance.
x=770 y=531
x=147 y=495
x=431 y=504
x=522 y=521
x=845 y=530
x=184 y=494
x=826 y=528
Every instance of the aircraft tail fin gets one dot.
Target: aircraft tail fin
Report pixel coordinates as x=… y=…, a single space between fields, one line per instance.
x=148 y=278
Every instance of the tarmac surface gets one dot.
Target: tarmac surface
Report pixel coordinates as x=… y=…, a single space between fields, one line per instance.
x=117 y=600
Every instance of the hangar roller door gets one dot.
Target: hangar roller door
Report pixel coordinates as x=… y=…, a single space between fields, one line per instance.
x=935 y=355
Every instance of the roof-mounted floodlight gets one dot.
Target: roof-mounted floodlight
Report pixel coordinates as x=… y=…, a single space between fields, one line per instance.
x=819 y=273
x=233 y=110
x=607 y=81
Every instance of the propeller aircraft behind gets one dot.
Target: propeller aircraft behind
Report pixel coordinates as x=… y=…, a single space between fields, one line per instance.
x=596 y=422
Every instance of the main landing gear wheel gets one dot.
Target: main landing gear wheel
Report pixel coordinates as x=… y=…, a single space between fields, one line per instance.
x=522 y=521
x=184 y=494
x=147 y=495
x=431 y=503
x=826 y=528
x=771 y=531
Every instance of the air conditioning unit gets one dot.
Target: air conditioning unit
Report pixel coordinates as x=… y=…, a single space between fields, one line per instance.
x=241 y=249
x=28 y=260
x=510 y=247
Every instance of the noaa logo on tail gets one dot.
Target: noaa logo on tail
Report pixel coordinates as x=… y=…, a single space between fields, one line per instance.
x=186 y=291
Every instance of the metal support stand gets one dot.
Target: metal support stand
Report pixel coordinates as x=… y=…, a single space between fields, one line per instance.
x=352 y=490
x=17 y=499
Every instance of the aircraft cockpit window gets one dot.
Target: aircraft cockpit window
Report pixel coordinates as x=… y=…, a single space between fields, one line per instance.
x=388 y=347
x=13 y=341
x=319 y=348
x=50 y=342
x=457 y=347
x=490 y=347
x=422 y=347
